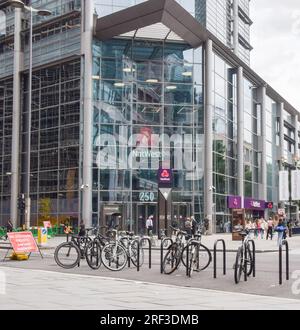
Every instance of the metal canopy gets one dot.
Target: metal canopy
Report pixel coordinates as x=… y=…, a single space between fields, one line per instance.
x=163 y=19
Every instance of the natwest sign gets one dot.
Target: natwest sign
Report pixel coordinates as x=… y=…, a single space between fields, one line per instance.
x=269 y=205
x=165 y=177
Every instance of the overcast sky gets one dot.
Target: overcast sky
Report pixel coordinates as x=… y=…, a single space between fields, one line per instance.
x=276 y=41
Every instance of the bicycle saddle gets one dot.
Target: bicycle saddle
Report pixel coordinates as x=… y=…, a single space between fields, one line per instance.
x=243 y=233
x=129 y=233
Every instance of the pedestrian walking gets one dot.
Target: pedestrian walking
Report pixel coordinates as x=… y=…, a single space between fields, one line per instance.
x=280 y=229
x=206 y=225
x=264 y=227
x=270 y=229
x=256 y=228
x=82 y=230
x=9 y=226
x=227 y=226
x=149 y=225
x=290 y=228
x=194 y=226
x=188 y=226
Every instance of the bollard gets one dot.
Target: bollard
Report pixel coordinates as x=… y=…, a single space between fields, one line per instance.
x=150 y=249
x=254 y=257
x=138 y=255
x=215 y=257
x=188 y=273
x=245 y=265
x=162 y=252
x=284 y=243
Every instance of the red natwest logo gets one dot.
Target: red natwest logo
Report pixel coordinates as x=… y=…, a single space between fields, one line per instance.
x=165 y=174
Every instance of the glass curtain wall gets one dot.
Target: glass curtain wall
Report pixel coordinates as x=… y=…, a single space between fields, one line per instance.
x=272 y=163
x=148 y=113
x=252 y=130
x=54 y=143
x=225 y=139
x=6 y=104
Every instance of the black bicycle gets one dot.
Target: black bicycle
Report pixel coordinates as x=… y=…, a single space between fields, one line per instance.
x=94 y=247
x=244 y=258
x=199 y=255
x=68 y=254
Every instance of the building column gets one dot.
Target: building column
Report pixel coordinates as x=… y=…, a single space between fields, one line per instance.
x=281 y=132
x=281 y=143
x=296 y=123
x=264 y=171
x=235 y=32
x=209 y=110
x=15 y=172
x=240 y=132
x=87 y=110
x=297 y=154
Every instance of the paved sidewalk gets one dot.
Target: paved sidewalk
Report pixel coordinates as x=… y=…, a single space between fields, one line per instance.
x=262 y=245
x=36 y=289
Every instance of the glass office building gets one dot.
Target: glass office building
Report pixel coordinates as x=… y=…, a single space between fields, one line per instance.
x=116 y=98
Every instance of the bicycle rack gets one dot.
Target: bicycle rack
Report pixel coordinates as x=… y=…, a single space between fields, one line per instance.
x=138 y=254
x=188 y=273
x=150 y=249
x=128 y=257
x=167 y=239
x=254 y=256
x=215 y=257
x=286 y=244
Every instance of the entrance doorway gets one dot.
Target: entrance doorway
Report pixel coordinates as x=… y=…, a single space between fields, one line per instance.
x=112 y=215
x=180 y=212
x=141 y=214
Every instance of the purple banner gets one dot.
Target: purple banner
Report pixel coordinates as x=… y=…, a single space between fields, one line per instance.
x=234 y=202
x=253 y=204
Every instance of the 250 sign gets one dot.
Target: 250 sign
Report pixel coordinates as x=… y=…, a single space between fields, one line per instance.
x=147 y=196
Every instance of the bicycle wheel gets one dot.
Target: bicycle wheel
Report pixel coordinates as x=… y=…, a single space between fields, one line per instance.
x=238 y=266
x=249 y=261
x=202 y=257
x=134 y=254
x=172 y=259
x=114 y=256
x=93 y=255
x=67 y=255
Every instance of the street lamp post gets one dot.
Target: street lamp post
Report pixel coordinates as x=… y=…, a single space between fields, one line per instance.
x=39 y=12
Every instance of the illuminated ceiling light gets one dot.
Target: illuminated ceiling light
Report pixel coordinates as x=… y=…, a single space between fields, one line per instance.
x=128 y=70
x=188 y=64
x=171 y=88
x=119 y=84
x=96 y=77
x=153 y=81
x=187 y=74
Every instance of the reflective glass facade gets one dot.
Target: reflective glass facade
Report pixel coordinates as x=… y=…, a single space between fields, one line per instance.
x=55 y=142
x=147 y=90
x=225 y=138
x=55 y=121
x=6 y=99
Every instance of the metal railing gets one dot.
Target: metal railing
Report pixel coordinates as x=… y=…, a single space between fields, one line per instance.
x=162 y=249
x=215 y=257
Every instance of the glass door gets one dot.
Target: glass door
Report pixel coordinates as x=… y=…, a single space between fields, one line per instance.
x=179 y=214
x=141 y=214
